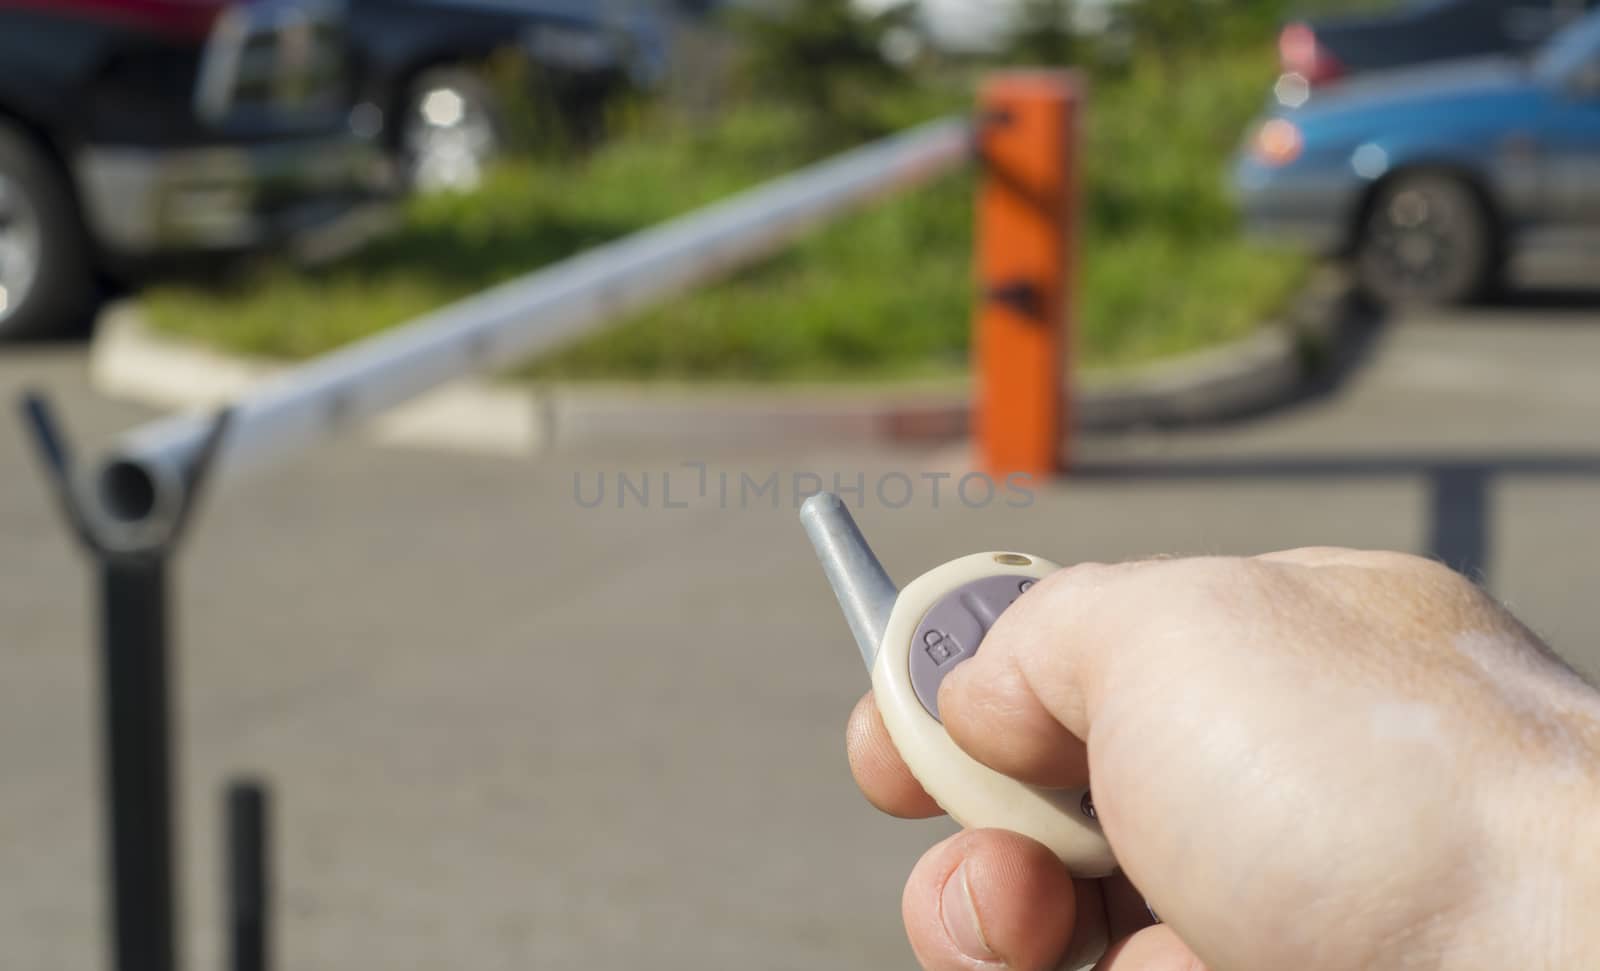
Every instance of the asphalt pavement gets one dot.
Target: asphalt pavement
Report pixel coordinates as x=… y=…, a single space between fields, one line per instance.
x=509 y=727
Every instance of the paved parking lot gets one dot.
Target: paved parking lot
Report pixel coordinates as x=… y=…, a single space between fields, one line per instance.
x=508 y=731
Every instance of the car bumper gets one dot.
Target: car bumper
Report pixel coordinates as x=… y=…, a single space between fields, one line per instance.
x=140 y=202
x=1310 y=210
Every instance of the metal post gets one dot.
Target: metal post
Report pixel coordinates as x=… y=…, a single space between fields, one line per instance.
x=132 y=540
x=249 y=877
x=1460 y=517
x=138 y=764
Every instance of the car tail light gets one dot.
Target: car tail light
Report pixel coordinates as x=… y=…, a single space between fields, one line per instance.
x=1277 y=142
x=1302 y=53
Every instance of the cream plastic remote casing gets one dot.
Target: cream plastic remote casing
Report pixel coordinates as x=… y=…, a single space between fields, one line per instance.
x=974 y=795
x=910 y=640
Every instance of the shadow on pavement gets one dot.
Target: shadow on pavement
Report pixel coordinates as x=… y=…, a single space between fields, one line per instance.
x=1459 y=511
x=1359 y=328
x=1337 y=334
x=1575 y=300
x=79 y=329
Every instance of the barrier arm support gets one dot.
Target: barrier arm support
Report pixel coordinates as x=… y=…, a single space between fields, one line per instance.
x=134 y=571
x=129 y=513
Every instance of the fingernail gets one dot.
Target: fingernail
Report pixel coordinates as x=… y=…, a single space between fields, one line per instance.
x=961 y=917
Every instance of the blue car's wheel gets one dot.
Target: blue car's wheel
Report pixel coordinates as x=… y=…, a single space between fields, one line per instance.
x=1426 y=239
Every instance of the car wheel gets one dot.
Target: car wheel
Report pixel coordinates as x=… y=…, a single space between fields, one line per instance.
x=450 y=134
x=1426 y=240
x=45 y=279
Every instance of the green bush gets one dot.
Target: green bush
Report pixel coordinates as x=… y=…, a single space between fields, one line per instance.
x=883 y=294
x=824 y=58
x=1045 y=34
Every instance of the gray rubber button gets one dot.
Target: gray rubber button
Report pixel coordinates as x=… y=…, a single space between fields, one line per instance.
x=952 y=630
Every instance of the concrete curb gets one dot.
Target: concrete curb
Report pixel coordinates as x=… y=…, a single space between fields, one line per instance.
x=1271 y=367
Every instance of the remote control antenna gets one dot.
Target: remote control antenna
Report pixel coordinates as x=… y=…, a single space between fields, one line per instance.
x=865 y=592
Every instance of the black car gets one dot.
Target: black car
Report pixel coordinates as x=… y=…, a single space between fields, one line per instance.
x=425 y=71
x=1324 y=49
x=135 y=130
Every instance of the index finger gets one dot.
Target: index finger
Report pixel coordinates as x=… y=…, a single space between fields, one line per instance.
x=879 y=770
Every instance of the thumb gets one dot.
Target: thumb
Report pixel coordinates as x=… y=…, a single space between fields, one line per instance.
x=1024 y=703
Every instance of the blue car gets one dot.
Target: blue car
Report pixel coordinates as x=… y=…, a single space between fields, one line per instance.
x=1431 y=180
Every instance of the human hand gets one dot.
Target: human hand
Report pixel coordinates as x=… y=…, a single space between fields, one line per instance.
x=1316 y=759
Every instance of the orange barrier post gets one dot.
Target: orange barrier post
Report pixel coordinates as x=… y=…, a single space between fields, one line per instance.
x=1027 y=206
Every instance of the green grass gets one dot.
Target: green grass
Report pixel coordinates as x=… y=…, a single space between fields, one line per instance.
x=883 y=294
